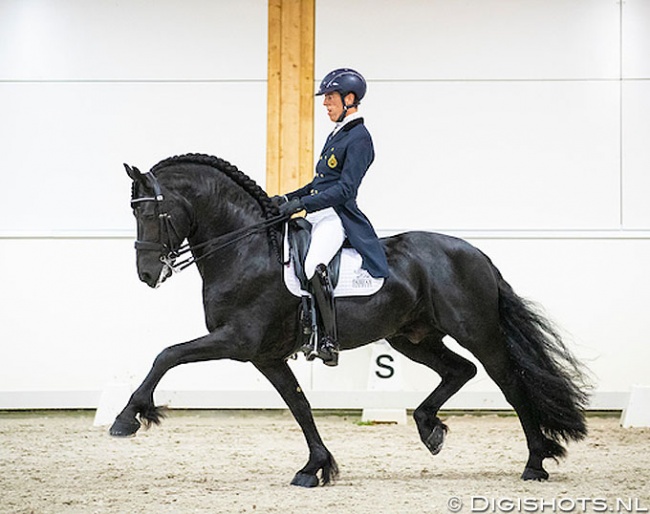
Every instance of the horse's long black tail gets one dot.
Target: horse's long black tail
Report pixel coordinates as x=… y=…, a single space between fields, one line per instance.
x=554 y=381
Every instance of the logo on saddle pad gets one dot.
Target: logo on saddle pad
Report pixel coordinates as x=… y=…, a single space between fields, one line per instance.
x=362 y=279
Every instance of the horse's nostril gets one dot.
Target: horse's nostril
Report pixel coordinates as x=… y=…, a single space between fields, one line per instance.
x=145 y=276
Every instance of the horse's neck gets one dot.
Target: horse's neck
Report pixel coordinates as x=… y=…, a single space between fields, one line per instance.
x=223 y=210
x=226 y=208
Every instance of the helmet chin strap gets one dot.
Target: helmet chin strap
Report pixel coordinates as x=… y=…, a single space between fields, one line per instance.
x=345 y=107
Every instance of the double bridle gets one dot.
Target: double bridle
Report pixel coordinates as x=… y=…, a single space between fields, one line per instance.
x=169 y=252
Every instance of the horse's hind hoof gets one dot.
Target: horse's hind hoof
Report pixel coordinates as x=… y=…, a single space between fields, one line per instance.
x=436 y=439
x=124 y=428
x=538 y=475
x=305 y=480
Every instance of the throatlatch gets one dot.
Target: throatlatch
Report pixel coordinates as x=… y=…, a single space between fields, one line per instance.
x=323 y=309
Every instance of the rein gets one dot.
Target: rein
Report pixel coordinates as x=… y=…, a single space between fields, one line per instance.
x=231 y=238
x=169 y=254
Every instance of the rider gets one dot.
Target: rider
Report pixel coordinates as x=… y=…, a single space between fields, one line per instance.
x=330 y=199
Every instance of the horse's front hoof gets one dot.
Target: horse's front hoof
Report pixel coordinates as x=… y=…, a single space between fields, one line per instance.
x=305 y=480
x=122 y=428
x=436 y=439
x=538 y=475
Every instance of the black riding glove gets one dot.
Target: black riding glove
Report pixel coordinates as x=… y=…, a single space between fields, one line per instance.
x=278 y=200
x=291 y=207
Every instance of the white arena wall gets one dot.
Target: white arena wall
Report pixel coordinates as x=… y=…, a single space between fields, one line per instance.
x=520 y=126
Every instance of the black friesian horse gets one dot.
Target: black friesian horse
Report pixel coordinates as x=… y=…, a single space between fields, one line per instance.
x=438 y=286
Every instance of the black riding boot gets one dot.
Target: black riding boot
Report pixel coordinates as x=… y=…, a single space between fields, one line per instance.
x=327 y=346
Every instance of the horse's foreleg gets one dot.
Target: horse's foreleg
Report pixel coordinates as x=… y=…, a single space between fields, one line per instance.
x=140 y=406
x=320 y=459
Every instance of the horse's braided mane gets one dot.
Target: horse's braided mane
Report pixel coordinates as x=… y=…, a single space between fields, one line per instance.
x=269 y=209
x=231 y=171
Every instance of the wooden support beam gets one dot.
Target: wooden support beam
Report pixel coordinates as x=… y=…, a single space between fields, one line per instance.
x=290 y=123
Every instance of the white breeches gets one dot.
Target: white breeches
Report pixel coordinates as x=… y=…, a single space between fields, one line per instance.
x=327 y=236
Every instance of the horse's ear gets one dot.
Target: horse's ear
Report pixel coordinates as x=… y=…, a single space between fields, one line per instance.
x=133 y=172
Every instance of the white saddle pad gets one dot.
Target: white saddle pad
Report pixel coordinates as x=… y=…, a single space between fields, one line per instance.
x=353 y=279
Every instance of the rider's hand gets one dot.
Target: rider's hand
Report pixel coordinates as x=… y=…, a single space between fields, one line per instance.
x=291 y=207
x=278 y=200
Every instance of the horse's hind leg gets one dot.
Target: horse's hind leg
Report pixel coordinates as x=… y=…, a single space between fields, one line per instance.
x=454 y=371
x=499 y=367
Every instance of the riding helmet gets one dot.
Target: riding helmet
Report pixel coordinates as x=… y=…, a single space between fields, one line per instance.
x=344 y=81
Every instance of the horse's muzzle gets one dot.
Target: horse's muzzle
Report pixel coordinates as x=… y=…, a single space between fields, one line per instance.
x=154 y=278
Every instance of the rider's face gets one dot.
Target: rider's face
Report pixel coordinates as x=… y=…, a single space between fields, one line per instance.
x=334 y=105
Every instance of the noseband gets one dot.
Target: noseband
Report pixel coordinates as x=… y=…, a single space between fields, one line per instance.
x=168 y=252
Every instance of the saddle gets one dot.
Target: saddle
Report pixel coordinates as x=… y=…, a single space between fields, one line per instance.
x=299 y=231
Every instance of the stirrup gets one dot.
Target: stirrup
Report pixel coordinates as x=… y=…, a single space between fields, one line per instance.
x=327 y=350
x=309 y=348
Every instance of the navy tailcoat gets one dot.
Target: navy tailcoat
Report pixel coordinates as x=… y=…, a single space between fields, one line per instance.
x=343 y=162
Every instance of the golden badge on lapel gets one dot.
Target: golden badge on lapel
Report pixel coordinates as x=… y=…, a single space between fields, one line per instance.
x=332 y=162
